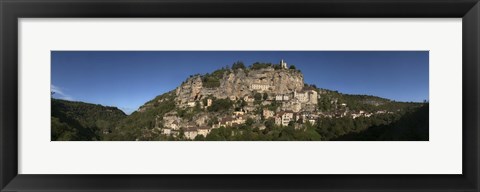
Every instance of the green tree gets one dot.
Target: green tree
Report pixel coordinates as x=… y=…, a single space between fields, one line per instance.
x=265 y=96
x=199 y=138
x=277 y=67
x=81 y=121
x=257 y=96
x=238 y=65
x=220 y=105
x=249 y=122
x=270 y=124
x=258 y=65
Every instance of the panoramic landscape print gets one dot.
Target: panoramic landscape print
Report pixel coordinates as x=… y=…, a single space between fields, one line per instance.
x=239 y=96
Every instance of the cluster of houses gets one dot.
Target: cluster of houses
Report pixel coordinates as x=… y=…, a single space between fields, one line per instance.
x=289 y=111
x=296 y=107
x=173 y=125
x=367 y=114
x=284 y=118
x=230 y=121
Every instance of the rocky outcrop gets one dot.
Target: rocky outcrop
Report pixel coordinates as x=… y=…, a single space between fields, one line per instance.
x=189 y=90
x=238 y=83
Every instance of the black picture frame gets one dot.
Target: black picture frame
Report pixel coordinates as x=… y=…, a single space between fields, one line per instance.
x=11 y=10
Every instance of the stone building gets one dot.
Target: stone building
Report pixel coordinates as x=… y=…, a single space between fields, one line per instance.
x=173 y=125
x=230 y=121
x=260 y=87
x=249 y=109
x=203 y=130
x=309 y=118
x=249 y=99
x=238 y=113
x=166 y=131
x=239 y=119
x=226 y=122
x=283 y=64
x=209 y=102
x=282 y=97
x=267 y=113
x=191 y=104
x=284 y=117
x=190 y=133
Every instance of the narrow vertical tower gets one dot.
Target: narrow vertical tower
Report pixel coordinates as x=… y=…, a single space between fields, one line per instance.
x=283 y=64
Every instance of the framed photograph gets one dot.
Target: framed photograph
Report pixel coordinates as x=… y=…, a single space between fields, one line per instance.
x=239 y=95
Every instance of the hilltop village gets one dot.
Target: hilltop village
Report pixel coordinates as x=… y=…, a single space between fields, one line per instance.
x=258 y=96
x=259 y=102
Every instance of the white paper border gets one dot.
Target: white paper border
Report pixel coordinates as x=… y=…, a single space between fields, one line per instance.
x=440 y=155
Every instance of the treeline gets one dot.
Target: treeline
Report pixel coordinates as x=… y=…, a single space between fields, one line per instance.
x=332 y=100
x=78 y=121
x=212 y=80
x=413 y=126
x=331 y=128
x=82 y=121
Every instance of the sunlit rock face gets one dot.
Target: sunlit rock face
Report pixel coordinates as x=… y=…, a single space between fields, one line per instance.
x=236 y=84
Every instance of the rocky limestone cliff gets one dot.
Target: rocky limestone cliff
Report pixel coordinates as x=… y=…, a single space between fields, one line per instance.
x=239 y=83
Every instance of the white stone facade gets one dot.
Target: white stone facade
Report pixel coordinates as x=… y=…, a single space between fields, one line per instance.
x=284 y=117
x=260 y=87
x=282 y=98
x=191 y=104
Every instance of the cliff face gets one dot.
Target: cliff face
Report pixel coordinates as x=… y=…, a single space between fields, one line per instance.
x=239 y=83
x=263 y=96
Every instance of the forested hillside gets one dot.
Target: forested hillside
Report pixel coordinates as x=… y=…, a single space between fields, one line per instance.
x=413 y=126
x=260 y=102
x=79 y=121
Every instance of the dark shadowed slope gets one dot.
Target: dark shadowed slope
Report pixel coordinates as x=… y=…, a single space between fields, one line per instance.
x=413 y=126
x=80 y=121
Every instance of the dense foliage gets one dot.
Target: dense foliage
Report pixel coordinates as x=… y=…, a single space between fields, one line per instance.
x=213 y=80
x=259 y=65
x=330 y=101
x=331 y=128
x=220 y=105
x=387 y=119
x=238 y=65
x=80 y=121
x=140 y=122
x=74 y=121
x=413 y=126
x=272 y=133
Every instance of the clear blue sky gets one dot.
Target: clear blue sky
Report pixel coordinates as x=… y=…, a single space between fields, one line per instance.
x=128 y=79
